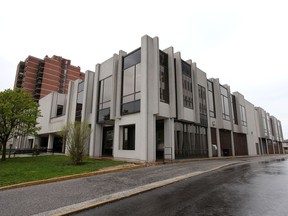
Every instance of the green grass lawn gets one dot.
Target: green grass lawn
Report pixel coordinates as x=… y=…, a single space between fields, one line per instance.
x=19 y=170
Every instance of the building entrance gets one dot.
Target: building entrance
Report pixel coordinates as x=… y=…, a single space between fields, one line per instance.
x=107 y=142
x=58 y=144
x=160 y=139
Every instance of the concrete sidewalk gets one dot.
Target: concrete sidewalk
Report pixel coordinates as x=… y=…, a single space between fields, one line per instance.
x=60 y=198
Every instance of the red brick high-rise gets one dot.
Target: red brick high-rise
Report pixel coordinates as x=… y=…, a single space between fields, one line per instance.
x=39 y=77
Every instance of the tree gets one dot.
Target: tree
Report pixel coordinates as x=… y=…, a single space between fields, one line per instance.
x=75 y=136
x=18 y=116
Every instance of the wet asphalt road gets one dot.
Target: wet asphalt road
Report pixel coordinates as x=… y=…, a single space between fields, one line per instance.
x=259 y=188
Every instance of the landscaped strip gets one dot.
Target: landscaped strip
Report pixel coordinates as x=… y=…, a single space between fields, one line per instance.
x=15 y=171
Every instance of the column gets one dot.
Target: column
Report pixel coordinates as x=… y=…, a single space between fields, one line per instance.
x=218 y=142
x=169 y=149
x=232 y=144
x=50 y=141
x=209 y=140
x=36 y=142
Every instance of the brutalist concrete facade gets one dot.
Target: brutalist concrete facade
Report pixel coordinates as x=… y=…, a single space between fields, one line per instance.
x=150 y=105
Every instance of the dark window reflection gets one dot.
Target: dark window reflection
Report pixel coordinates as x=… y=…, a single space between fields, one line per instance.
x=80 y=95
x=212 y=112
x=202 y=105
x=131 y=107
x=104 y=115
x=235 y=118
x=128 y=137
x=187 y=85
x=164 y=77
x=132 y=59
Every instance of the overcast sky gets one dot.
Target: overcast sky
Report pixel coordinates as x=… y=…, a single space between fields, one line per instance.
x=243 y=43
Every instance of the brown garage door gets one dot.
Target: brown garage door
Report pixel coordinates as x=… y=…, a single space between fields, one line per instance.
x=240 y=144
x=225 y=141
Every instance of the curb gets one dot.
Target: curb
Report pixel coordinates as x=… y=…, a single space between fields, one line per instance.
x=108 y=170
x=75 y=176
x=125 y=194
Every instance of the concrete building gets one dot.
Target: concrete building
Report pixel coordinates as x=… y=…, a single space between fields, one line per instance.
x=150 y=105
x=39 y=77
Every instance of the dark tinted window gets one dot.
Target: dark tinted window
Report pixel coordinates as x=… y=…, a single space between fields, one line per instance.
x=104 y=115
x=235 y=119
x=128 y=137
x=131 y=107
x=202 y=105
x=164 y=77
x=59 y=110
x=212 y=112
x=187 y=85
x=132 y=59
x=186 y=68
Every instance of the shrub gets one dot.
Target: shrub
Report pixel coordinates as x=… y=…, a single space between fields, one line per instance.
x=75 y=136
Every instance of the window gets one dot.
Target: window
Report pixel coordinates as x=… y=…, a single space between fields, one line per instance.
x=187 y=85
x=268 y=124
x=128 y=137
x=235 y=118
x=202 y=105
x=131 y=83
x=81 y=86
x=212 y=112
x=190 y=140
x=59 y=110
x=280 y=130
x=80 y=95
x=132 y=59
x=224 y=102
x=164 y=77
x=272 y=129
x=243 y=116
x=104 y=99
x=264 y=124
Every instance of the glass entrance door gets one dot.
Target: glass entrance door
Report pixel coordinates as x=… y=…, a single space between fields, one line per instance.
x=107 y=143
x=160 y=139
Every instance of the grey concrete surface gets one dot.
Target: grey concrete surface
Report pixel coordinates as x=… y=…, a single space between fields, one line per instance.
x=251 y=189
x=47 y=197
